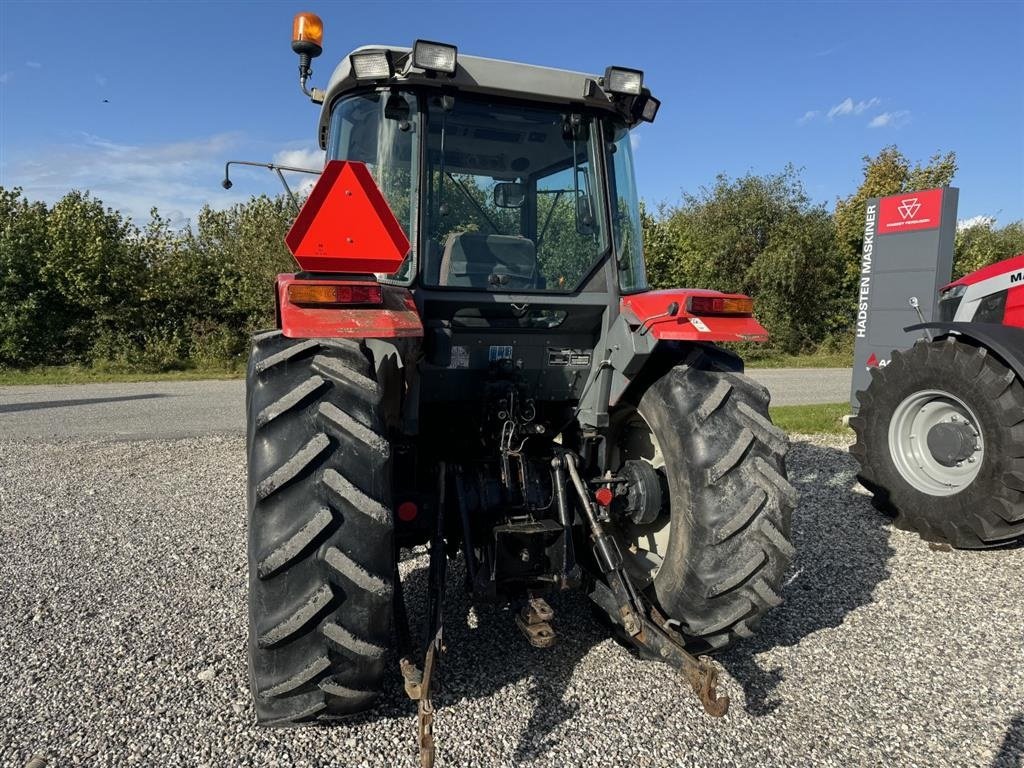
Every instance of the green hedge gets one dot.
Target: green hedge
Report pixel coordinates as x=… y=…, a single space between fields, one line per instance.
x=81 y=284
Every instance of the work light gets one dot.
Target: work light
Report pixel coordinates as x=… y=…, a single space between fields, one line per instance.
x=434 y=57
x=372 y=65
x=625 y=82
x=650 y=109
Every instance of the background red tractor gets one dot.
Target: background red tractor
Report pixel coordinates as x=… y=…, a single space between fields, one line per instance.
x=470 y=358
x=940 y=433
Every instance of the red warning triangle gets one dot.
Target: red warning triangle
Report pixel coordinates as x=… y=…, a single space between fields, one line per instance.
x=346 y=225
x=873 y=361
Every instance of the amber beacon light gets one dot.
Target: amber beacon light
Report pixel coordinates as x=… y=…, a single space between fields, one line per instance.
x=308 y=34
x=308 y=42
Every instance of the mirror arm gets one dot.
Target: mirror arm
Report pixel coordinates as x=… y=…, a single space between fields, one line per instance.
x=227 y=184
x=547 y=221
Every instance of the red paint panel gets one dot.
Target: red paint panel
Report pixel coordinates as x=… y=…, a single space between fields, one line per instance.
x=1015 y=307
x=346 y=225
x=689 y=327
x=396 y=319
x=1013 y=264
x=910 y=212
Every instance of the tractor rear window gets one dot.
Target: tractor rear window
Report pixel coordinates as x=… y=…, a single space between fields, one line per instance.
x=626 y=224
x=513 y=200
x=379 y=129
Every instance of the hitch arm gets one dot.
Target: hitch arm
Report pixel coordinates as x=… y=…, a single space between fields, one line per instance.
x=647 y=629
x=420 y=684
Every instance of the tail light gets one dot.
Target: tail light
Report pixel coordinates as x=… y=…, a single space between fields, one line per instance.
x=720 y=305
x=334 y=294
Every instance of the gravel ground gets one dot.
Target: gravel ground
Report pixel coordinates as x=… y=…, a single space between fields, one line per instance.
x=123 y=637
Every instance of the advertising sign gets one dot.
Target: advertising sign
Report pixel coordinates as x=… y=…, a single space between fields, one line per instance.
x=907 y=257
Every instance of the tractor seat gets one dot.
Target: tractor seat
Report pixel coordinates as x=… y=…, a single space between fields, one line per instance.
x=500 y=262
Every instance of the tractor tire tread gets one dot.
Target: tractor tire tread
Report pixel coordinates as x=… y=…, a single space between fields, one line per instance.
x=321 y=531
x=727 y=569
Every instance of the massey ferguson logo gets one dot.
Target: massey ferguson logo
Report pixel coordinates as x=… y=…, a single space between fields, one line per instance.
x=908 y=208
x=918 y=210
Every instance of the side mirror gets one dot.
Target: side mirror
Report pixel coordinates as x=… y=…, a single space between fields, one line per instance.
x=509 y=194
x=584 y=215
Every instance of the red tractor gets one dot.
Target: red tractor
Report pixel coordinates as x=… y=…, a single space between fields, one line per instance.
x=940 y=433
x=470 y=359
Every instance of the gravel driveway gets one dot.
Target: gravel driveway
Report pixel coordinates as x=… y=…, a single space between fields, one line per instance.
x=123 y=640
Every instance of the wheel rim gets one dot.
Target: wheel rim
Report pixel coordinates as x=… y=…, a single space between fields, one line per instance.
x=930 y=413
x=646 y=544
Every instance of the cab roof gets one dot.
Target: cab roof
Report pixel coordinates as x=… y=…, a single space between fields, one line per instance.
x=476 y=74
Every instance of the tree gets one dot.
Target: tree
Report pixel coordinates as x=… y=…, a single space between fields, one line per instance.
x=238 y=253
x=887 y=173
x=758 y=235
x=983 y=244
x=28 y=327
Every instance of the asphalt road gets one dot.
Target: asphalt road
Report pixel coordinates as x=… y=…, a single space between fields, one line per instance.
x=178 y=409
x=123 y=637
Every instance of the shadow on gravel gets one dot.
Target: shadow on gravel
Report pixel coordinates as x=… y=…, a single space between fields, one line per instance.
x=41 y=404
x=1011 y=752
x=843 y=553
x=486 y=652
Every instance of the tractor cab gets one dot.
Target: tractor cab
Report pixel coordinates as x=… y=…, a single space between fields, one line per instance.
x=514 y=186
x=506 y=178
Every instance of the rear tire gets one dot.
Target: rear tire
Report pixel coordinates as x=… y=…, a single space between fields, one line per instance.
x=987 y=508
x=321 y=552
x=729 y=502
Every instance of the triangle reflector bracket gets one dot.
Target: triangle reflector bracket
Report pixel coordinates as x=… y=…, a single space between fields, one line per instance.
x=346 y=225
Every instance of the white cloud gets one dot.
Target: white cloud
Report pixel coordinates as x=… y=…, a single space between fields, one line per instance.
x=862 y=106
x=849 y=107
x=808 y=116
x=844 y=107
x=975 y=221
x=177 y=177
x=895 y=119
x=33 y=65
x=301 y=157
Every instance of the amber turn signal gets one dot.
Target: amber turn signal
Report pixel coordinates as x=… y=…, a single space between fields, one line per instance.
x=720 y=305
x=334 y=294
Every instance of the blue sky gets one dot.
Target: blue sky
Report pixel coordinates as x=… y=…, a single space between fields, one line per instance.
x=143 y=102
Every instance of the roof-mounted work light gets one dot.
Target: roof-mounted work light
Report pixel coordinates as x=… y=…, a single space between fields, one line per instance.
x=308 y=42
x=434 y=57
x=649 y=108
x=372 y=65
x=623 y=82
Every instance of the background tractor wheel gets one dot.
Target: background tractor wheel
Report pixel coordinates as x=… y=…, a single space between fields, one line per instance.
x=940 y=441
x=714 y=557
x=321 y=556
